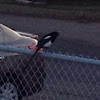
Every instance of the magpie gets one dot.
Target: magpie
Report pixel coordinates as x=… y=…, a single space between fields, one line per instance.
x=44 y=42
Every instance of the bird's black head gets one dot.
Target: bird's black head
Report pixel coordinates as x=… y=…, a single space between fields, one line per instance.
x=54 y=36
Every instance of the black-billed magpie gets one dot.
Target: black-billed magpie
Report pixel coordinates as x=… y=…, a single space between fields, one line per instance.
x=45 y=42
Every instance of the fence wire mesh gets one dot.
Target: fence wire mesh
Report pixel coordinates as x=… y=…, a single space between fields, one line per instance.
x=48 y=79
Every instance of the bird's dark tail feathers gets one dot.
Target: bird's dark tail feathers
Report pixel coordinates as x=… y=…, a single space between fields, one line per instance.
x=31 y=59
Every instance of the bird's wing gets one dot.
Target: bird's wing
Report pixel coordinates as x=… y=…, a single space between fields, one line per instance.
x=42 y=42
x=47 y=37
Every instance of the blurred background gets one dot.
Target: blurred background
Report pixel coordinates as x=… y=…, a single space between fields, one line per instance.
x=81 y=10
x=65 y=2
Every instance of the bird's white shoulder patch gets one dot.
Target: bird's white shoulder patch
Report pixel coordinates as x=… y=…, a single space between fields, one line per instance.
x=47 y=37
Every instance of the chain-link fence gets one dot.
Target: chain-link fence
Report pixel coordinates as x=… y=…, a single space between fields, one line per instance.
x=50 y=76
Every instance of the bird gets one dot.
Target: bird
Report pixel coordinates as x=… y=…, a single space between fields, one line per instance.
x=45 y=42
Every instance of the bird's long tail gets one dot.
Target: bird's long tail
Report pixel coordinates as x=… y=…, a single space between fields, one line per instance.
x=30 y=59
